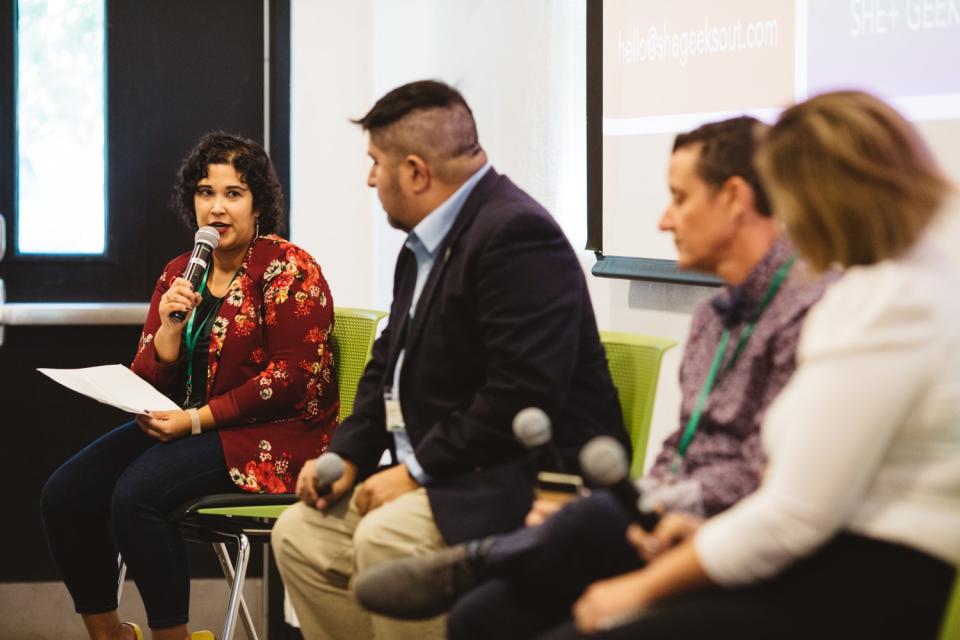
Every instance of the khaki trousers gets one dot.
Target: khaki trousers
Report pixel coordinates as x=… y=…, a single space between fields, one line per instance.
x=318 y=552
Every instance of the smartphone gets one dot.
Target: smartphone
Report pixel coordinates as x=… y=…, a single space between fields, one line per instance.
x=559 y=487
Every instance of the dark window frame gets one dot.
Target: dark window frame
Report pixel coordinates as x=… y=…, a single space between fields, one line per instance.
x=279 y=123
x=8 y=150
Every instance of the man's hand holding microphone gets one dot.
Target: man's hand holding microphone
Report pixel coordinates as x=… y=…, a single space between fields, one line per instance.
x=323 y=481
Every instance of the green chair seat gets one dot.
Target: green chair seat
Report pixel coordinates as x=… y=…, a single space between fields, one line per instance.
x=237 y=518
x=354 y=331
x=634 y=362
x=271 y=512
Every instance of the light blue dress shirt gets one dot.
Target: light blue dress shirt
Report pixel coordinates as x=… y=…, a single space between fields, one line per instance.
x=423 y=241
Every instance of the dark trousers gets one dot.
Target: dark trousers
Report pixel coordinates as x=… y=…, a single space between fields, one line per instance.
x=115 y=495
x=535 y=574
x=854 y=587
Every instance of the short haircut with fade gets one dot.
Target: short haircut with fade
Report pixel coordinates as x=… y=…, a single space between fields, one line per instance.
x=852 y=180
x=426 y=118
x=726 y=150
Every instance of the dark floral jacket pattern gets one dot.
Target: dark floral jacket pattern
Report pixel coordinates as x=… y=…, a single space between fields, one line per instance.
x=270 y=382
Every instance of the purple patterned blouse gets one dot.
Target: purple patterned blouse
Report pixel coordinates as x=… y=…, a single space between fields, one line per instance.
x=725 y=456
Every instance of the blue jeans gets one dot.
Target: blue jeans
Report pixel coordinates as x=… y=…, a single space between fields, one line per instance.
x=115 y=495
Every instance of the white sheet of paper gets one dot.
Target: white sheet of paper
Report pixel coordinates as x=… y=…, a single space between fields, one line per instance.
x=113 y=384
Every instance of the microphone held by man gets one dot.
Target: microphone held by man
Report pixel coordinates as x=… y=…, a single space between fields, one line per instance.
x=329 y=468
x=531 y=427
x=605 y=463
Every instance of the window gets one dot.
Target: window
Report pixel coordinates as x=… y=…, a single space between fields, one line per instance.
x=60 y=127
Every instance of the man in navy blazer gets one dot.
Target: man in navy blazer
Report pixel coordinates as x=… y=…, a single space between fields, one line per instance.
x=490 y=315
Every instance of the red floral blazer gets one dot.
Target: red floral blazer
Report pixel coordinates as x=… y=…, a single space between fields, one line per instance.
x=270 y=382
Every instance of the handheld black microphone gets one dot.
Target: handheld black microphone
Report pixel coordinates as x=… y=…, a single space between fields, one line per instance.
x=605 y=462
x=204 y=242
x=531 y=426
x=329 y=468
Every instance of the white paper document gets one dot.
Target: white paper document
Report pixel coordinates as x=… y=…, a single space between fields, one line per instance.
x=113 y=384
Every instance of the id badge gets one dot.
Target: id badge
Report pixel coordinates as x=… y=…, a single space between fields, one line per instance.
x=394 y=415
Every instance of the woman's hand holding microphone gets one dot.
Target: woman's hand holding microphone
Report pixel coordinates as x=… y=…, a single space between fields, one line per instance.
x=179 y=297
x=170 y=425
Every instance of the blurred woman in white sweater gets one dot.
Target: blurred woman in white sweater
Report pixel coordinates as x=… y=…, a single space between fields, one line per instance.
x=855 y=531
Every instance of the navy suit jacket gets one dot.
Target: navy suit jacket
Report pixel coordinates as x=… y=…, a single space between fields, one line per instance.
x=504 y=322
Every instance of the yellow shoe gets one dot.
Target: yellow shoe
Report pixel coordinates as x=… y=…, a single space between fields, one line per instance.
x=200 y=635
x=136 y=629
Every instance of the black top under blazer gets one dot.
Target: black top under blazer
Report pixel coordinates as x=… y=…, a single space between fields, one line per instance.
x=504 y=322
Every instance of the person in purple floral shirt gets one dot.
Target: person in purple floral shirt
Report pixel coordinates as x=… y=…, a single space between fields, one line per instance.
x=522 y=583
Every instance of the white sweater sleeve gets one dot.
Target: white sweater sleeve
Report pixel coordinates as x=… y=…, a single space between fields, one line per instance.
x=868 y=351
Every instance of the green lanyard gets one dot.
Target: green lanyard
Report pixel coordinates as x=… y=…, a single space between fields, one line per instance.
x=715 y=367
x=192 y=337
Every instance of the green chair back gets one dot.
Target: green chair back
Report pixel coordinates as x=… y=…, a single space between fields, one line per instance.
x=951 y=619
x=354 y=331
x=237 y=517
x=634 y=362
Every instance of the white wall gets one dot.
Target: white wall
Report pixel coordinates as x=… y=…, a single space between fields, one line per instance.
x=517 y=67
x=331 y=65
x=521 y=66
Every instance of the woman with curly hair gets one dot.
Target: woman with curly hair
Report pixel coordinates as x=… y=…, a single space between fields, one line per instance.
x=251 y=367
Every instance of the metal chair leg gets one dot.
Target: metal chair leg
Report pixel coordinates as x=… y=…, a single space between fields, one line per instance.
x=265 y=593
x=122 y=574
x=235 y=576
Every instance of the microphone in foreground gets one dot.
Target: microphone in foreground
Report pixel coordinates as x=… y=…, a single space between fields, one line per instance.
x=329 y=468
x=531 y=426
x=605 y=462
x=204 y=242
